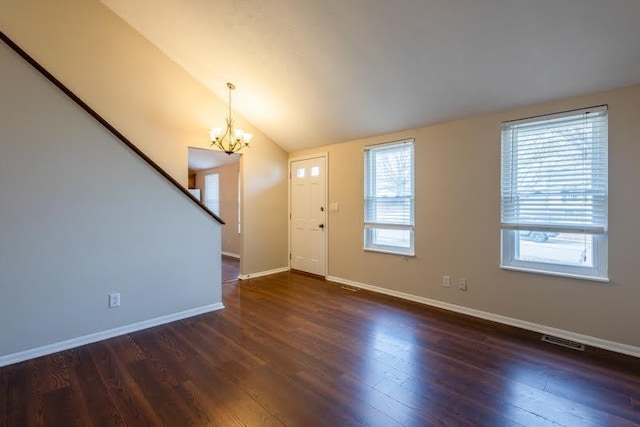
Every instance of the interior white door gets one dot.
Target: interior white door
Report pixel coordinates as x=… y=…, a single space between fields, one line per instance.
x=308 y=215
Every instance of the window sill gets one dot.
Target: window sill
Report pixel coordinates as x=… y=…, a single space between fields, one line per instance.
x=390 y=252
x=556 y=273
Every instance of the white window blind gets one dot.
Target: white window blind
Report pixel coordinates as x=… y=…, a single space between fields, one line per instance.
x=554 y=173
x=212 y=192
x=389 y=197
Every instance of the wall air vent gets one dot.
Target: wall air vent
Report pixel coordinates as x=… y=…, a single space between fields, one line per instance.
x=563 y=342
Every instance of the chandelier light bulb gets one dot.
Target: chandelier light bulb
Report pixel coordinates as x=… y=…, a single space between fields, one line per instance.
x=215 y=133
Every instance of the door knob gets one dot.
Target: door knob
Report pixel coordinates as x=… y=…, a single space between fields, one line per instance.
x=321 y=226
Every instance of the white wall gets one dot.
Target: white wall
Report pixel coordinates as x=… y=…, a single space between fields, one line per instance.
x=457 y=227
x=81 y=216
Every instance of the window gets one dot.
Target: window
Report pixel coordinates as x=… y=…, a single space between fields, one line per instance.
x=554 y=194
x=212 y=192
x=388 y=198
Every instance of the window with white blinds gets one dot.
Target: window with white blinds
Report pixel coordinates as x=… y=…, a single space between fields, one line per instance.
x=212 y=192
x=554 y=192
x=389 y=197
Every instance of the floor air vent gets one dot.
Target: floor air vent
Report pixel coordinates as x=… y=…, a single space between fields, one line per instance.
x=350 y=288
x=563 y=342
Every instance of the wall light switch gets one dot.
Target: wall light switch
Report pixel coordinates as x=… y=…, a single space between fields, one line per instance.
x=334 y=206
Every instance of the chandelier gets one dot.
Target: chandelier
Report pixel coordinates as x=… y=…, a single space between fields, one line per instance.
x=233 y=139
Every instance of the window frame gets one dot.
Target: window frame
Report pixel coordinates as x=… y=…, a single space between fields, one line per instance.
x=369 y=227
x=510 y=232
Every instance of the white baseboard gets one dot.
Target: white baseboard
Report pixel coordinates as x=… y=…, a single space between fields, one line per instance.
x=262 y=273
x=100 y=336
x=573 y=336
x=229 y=254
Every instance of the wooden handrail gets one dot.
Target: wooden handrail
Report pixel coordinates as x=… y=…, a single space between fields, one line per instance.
x=17 y=49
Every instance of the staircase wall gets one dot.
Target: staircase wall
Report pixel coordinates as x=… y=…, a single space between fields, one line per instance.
x=156 y=104
x=82 y=216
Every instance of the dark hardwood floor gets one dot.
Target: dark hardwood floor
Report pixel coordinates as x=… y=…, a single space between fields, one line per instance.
x=230 y=269
x=294 y=350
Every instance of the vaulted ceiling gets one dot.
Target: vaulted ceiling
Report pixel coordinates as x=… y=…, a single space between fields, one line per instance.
x=315 y=72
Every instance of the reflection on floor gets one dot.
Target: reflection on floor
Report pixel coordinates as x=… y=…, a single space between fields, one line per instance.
x=289 y=349
x=230 y=269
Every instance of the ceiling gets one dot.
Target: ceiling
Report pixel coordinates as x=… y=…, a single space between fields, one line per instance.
x=310 y=73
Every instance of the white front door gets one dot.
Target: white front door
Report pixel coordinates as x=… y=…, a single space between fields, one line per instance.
x=308 y=215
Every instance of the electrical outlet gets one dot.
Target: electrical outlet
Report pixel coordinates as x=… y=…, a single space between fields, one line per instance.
x=462 y=284
x=446 y=281
x=114 y=300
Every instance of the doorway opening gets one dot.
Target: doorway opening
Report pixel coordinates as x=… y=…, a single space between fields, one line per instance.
x=230 y=269
x=215 y=179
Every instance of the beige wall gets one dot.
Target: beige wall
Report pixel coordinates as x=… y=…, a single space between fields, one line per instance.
x=153 y=102
x=458 y=225
x=228 y=180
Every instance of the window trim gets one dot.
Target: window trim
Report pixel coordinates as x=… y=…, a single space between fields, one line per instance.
x=509 y=232
x=368 y=245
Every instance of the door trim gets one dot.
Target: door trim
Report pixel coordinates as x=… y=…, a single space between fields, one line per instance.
x=325 y=155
